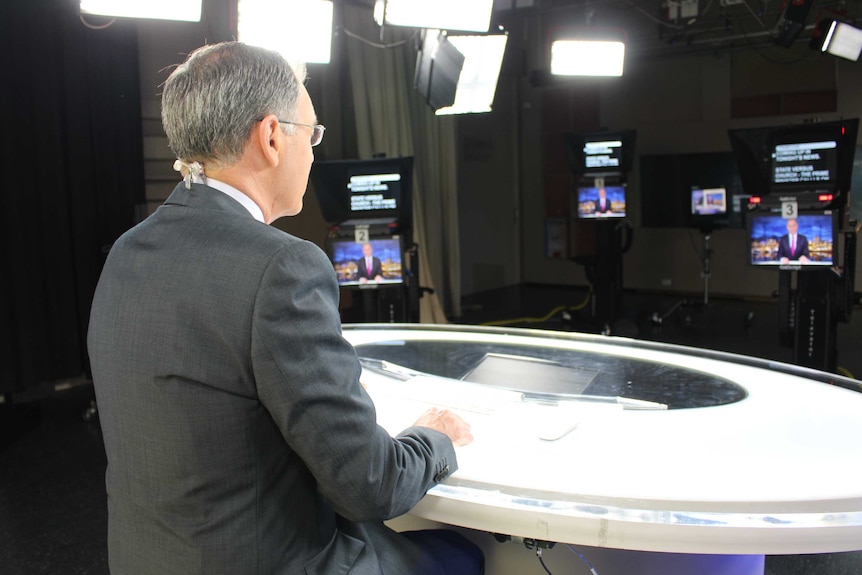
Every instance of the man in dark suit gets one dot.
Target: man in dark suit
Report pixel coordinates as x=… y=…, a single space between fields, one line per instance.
x=793 y=246
x=603 y=204
x=370 y=268
x=238 y=436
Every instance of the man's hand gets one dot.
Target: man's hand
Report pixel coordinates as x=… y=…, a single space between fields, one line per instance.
x=445 y=421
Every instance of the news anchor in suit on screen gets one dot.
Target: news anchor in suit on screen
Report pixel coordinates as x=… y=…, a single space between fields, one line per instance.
x=603 y=204
x=793 y=246
x=369 y=266
x=238 y=437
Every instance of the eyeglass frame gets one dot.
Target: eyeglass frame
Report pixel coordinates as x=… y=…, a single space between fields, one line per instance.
x=315 y=130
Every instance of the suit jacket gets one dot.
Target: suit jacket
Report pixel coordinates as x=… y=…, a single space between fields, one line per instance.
x=237 y=435
x=603 y=209
x=801 y=247
x=376 y=268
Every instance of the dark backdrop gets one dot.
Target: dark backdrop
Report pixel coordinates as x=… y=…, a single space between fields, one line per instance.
x=71 y=175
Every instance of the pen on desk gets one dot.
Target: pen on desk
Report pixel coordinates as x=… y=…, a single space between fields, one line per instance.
x=625 y=402
x=631 y=403
x=387 y=368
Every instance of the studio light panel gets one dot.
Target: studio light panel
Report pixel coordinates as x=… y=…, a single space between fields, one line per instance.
x=465 y=15
x=843 y=40
x=183 y=10
x=273 y=24
x=477 y=84
x=587 y=58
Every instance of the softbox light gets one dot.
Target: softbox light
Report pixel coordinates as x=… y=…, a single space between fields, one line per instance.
x=438 y=67
x=477 y=83
x=587 y=58
x=182 y=10
x=467 y=15
x=842 y=40
x=273 y=24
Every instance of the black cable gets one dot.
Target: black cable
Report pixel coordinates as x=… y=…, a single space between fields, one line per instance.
x=542 y=561
x=378 y=44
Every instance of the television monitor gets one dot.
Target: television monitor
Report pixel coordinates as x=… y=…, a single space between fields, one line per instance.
x=770 y=242
x=709 y=201
x=350 y=259
x=797 y=159
x=365 y=191
x=601 y=153
x=807 y=164
x=606 y=202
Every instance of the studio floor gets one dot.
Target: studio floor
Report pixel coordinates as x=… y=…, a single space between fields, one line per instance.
x=53 y=514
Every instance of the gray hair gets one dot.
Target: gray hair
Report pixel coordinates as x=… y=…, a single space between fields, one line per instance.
x=212 y=100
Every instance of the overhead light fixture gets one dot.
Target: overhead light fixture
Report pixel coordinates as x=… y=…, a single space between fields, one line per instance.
x=466 y=15
x=438 y=67
x=587 y=58
x=842 y=40
x=273 y=24
x=458 y=74
x=477 y=83
x=182 y=10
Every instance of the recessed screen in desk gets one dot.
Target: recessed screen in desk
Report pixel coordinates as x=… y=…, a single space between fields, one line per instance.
x=677 y=387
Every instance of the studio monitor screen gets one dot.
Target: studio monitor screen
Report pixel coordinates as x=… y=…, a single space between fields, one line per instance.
x=367 y=264
x=708 y=202
x=809 y=163
x=605 y=202
x=364 y=189
x=792 y=243
x=798 y=160
x=601 y=153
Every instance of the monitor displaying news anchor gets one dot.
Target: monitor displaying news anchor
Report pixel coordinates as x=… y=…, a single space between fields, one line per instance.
x=709 y=201
x=806 y=240
x=602 y=202
x=367 y=264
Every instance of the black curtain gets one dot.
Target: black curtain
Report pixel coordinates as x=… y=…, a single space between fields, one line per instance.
x=71 y=176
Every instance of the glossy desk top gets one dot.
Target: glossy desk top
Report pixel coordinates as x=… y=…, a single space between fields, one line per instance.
x=750 y=456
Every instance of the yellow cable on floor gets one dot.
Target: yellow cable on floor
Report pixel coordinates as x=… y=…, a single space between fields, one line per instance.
x=551 y=314
x=845 y=372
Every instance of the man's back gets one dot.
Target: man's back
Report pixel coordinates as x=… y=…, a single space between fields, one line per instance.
x=224 y=389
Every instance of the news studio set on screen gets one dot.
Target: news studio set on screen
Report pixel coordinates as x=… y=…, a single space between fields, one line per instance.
x=602 y=202
x=806 y=240
x=348 y=256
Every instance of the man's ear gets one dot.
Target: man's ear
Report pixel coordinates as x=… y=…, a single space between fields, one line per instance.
x=266 y=136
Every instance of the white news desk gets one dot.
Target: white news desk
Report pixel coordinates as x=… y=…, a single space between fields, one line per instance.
x=750 y=458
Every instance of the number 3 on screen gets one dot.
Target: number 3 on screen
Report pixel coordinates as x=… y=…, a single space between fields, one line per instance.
x=789 y=210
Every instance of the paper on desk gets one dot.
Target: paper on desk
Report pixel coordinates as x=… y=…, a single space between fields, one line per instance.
x=400 y=402
x=500 y=420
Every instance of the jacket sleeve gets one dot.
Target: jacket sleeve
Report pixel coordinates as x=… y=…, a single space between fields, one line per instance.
x=307 y=377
